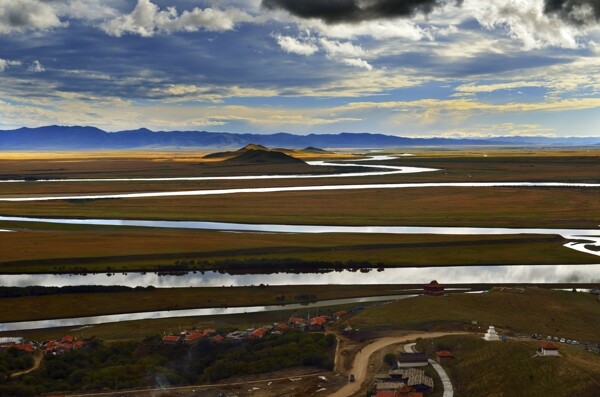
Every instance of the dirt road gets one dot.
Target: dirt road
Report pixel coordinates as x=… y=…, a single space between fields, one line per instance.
x=37 y=360
x=361 y=361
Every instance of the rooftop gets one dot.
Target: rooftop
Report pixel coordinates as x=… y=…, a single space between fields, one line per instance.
x=444 y=353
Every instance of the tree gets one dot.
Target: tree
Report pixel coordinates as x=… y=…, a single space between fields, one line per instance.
x=390 y=360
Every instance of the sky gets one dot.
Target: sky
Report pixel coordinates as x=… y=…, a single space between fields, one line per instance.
x=417 y=68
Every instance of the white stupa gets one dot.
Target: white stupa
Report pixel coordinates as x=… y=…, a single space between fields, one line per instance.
x=491 y=334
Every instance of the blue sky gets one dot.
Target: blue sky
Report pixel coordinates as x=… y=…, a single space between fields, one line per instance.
x=400 y=67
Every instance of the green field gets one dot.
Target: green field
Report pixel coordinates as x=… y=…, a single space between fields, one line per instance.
x=495 y=369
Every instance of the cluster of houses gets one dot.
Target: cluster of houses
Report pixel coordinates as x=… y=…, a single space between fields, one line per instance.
x=55 y=346
x=316 y=323
x=63 y=345
x=16 y=343
x=190 y=337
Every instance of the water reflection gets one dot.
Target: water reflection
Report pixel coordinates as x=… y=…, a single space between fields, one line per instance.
x=112 y=318
x=448 y=275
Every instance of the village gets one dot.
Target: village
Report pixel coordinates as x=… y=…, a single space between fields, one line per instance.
x=314 y=324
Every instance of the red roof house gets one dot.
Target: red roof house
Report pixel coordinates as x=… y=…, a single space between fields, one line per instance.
x=318 y=323
x=194 y=337
x=218 y=338
x=67 y=339
x=296 y=321
x=26 y=347
x=549 y=349
x=79 y=343
x=283 y=328
x=433 y=289
x=171 y=339
x=258 y=333
x=443 y=356
x=386 y=393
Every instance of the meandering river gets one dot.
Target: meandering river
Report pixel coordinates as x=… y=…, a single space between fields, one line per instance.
x=584 y=240
x=215 y=311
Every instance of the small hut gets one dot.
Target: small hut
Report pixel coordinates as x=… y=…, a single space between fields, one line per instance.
x=549 y=349
x=443 y=356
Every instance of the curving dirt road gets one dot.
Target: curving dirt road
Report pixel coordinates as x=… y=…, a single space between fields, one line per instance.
x=361 y=361
x=37 y=360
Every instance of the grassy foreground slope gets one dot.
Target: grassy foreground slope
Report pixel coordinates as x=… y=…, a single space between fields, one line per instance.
x=509 y=369
x=547 y=312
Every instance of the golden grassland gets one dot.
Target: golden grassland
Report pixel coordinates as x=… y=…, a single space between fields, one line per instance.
x=46 y=307
x=508 y=207
x=456 y=206
x=510 y=369
x=455 y=166
x=558 y=313
x=195 y=153
x=41 y=248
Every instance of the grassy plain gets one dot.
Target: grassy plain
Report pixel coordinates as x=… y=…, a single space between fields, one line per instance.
x=504 y=207
x=558 y=313
x=510 y=207
x=510 y=369
x=43 y=248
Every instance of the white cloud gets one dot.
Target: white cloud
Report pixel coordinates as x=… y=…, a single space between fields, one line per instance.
x=88 y=10
x=21 y=15
x=357 y=62
x=147 y=19
x=525 y=21
x=5 y=64
x=377 y=29
x=345 y=52
x=36 y=67
x=479 y=88
x=296 y=46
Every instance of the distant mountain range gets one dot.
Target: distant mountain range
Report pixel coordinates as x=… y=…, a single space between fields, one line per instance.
x=70 y=138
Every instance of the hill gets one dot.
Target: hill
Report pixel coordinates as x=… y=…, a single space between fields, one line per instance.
x=481 y=368
x=76 y=137
x=228 y=154
x=259 y=156
x=547 y=312
x=314 y=150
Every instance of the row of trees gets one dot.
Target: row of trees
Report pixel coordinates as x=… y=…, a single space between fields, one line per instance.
x=13 y=292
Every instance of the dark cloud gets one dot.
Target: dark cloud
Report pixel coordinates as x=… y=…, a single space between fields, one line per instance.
x=567 y=9
x=338 y=11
